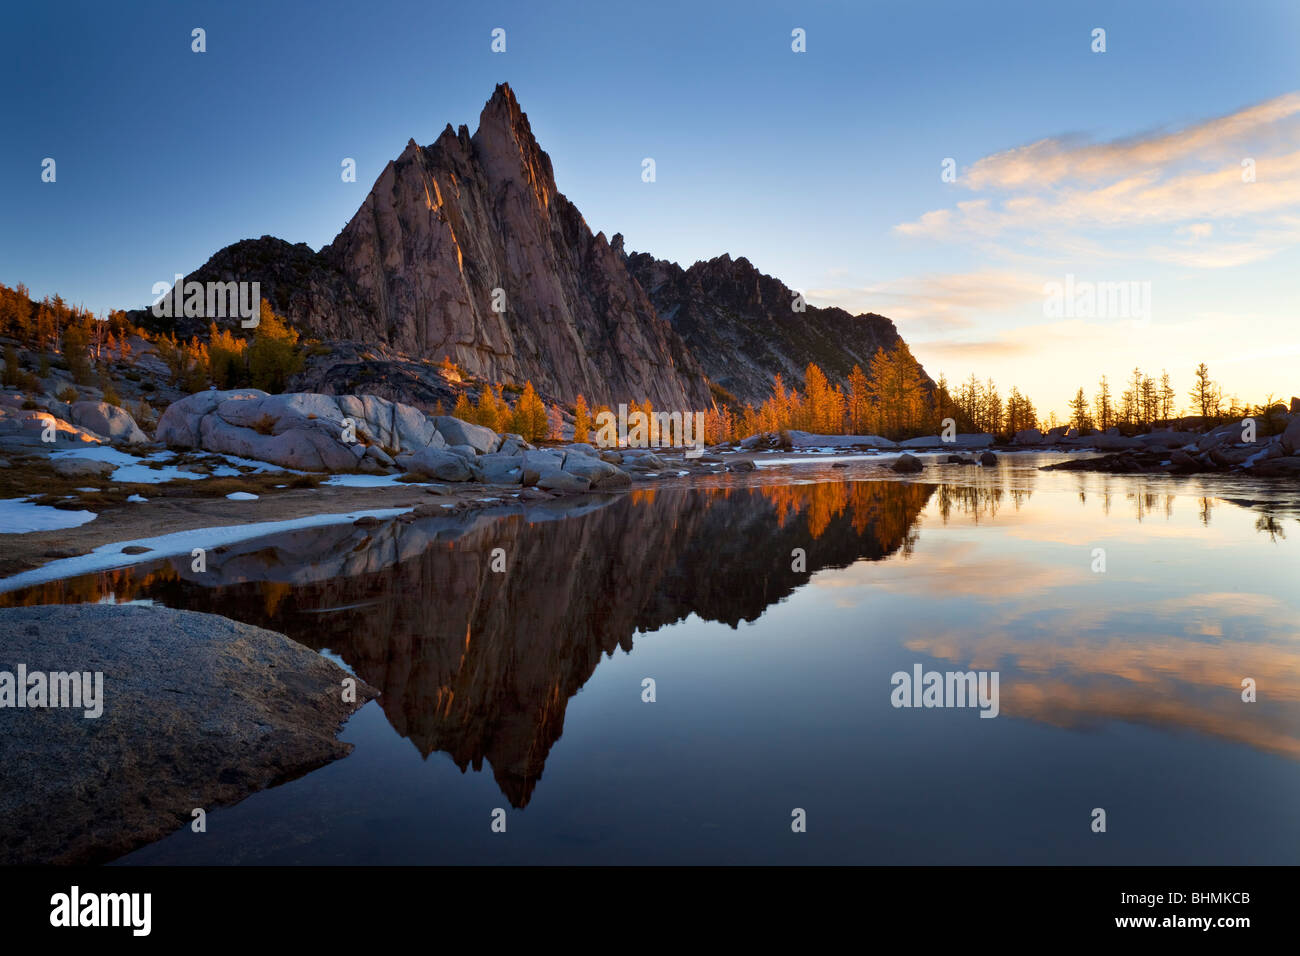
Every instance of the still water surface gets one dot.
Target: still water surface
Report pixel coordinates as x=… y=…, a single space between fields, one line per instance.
x=523 y=690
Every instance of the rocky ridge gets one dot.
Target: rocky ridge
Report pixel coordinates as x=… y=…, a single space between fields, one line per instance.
x=741 y=325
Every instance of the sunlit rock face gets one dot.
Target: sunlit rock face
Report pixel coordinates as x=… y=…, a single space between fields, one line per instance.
x=466 y=248
x=482 y=664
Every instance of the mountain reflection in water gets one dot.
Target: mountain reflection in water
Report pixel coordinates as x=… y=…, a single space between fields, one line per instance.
x=481 y=664
x=988 y=572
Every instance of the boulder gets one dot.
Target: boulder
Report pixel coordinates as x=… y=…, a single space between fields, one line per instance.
x=1295 y=405
x=1028 y=436
x=1165 y=438
x=988 y=458
x=29 y=427
x=499 y=469
x=83 y=468
x=742 y=465
x=302 y=430
x=1290 y=438
x=456 y=432
x=179 y=425
x=436 y=463
x=1223 y=435
x=557 y=479
x=907 y=464
x=468 y=452
x=538 y=462
x=1285 y=465
x=641 y=460
x=197 y=711
x=601 y=474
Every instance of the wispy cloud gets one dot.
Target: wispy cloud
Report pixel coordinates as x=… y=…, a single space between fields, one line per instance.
x=1167 y=191
x=939 y=302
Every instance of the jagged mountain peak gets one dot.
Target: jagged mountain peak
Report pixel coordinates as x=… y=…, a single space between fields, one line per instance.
x=466 y=249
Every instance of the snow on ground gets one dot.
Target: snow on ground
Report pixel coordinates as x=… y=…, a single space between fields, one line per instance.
x=241 y=496
x=135 y=469
x=179 y=542
x=19 y=516
x=369 y=481
x=137 y=499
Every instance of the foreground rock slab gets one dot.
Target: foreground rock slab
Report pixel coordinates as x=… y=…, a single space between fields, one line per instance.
x=198 y=712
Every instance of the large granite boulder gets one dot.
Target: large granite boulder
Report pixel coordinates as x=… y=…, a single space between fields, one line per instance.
x=482 y=440
x=301 y=430
x=26 y=428
x=499 y=469
x=113 y=423
x=82 y=468
x=559 y=480
x=437 y=463
x=601 y=474
x=1290 y=437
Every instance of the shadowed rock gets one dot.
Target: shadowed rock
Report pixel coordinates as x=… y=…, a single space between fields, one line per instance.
x=198 y=712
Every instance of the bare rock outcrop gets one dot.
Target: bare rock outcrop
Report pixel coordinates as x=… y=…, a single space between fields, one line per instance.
x=299 y=430
x=742 y=326
x=197 y=711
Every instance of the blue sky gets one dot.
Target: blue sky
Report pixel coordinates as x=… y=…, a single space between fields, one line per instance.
x=823 y=168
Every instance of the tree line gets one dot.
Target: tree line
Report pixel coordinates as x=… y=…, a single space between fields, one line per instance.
x=1146 y=402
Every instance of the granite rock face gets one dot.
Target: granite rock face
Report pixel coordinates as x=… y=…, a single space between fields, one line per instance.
x=741 y=325
x=466 y=248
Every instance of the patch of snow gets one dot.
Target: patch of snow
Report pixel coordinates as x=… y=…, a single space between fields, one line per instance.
x=135 y=468
x=179 y=542
x=136 y=498
x=20 y=516
x=241 y=496
x=369 y=481
x=258 y=467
